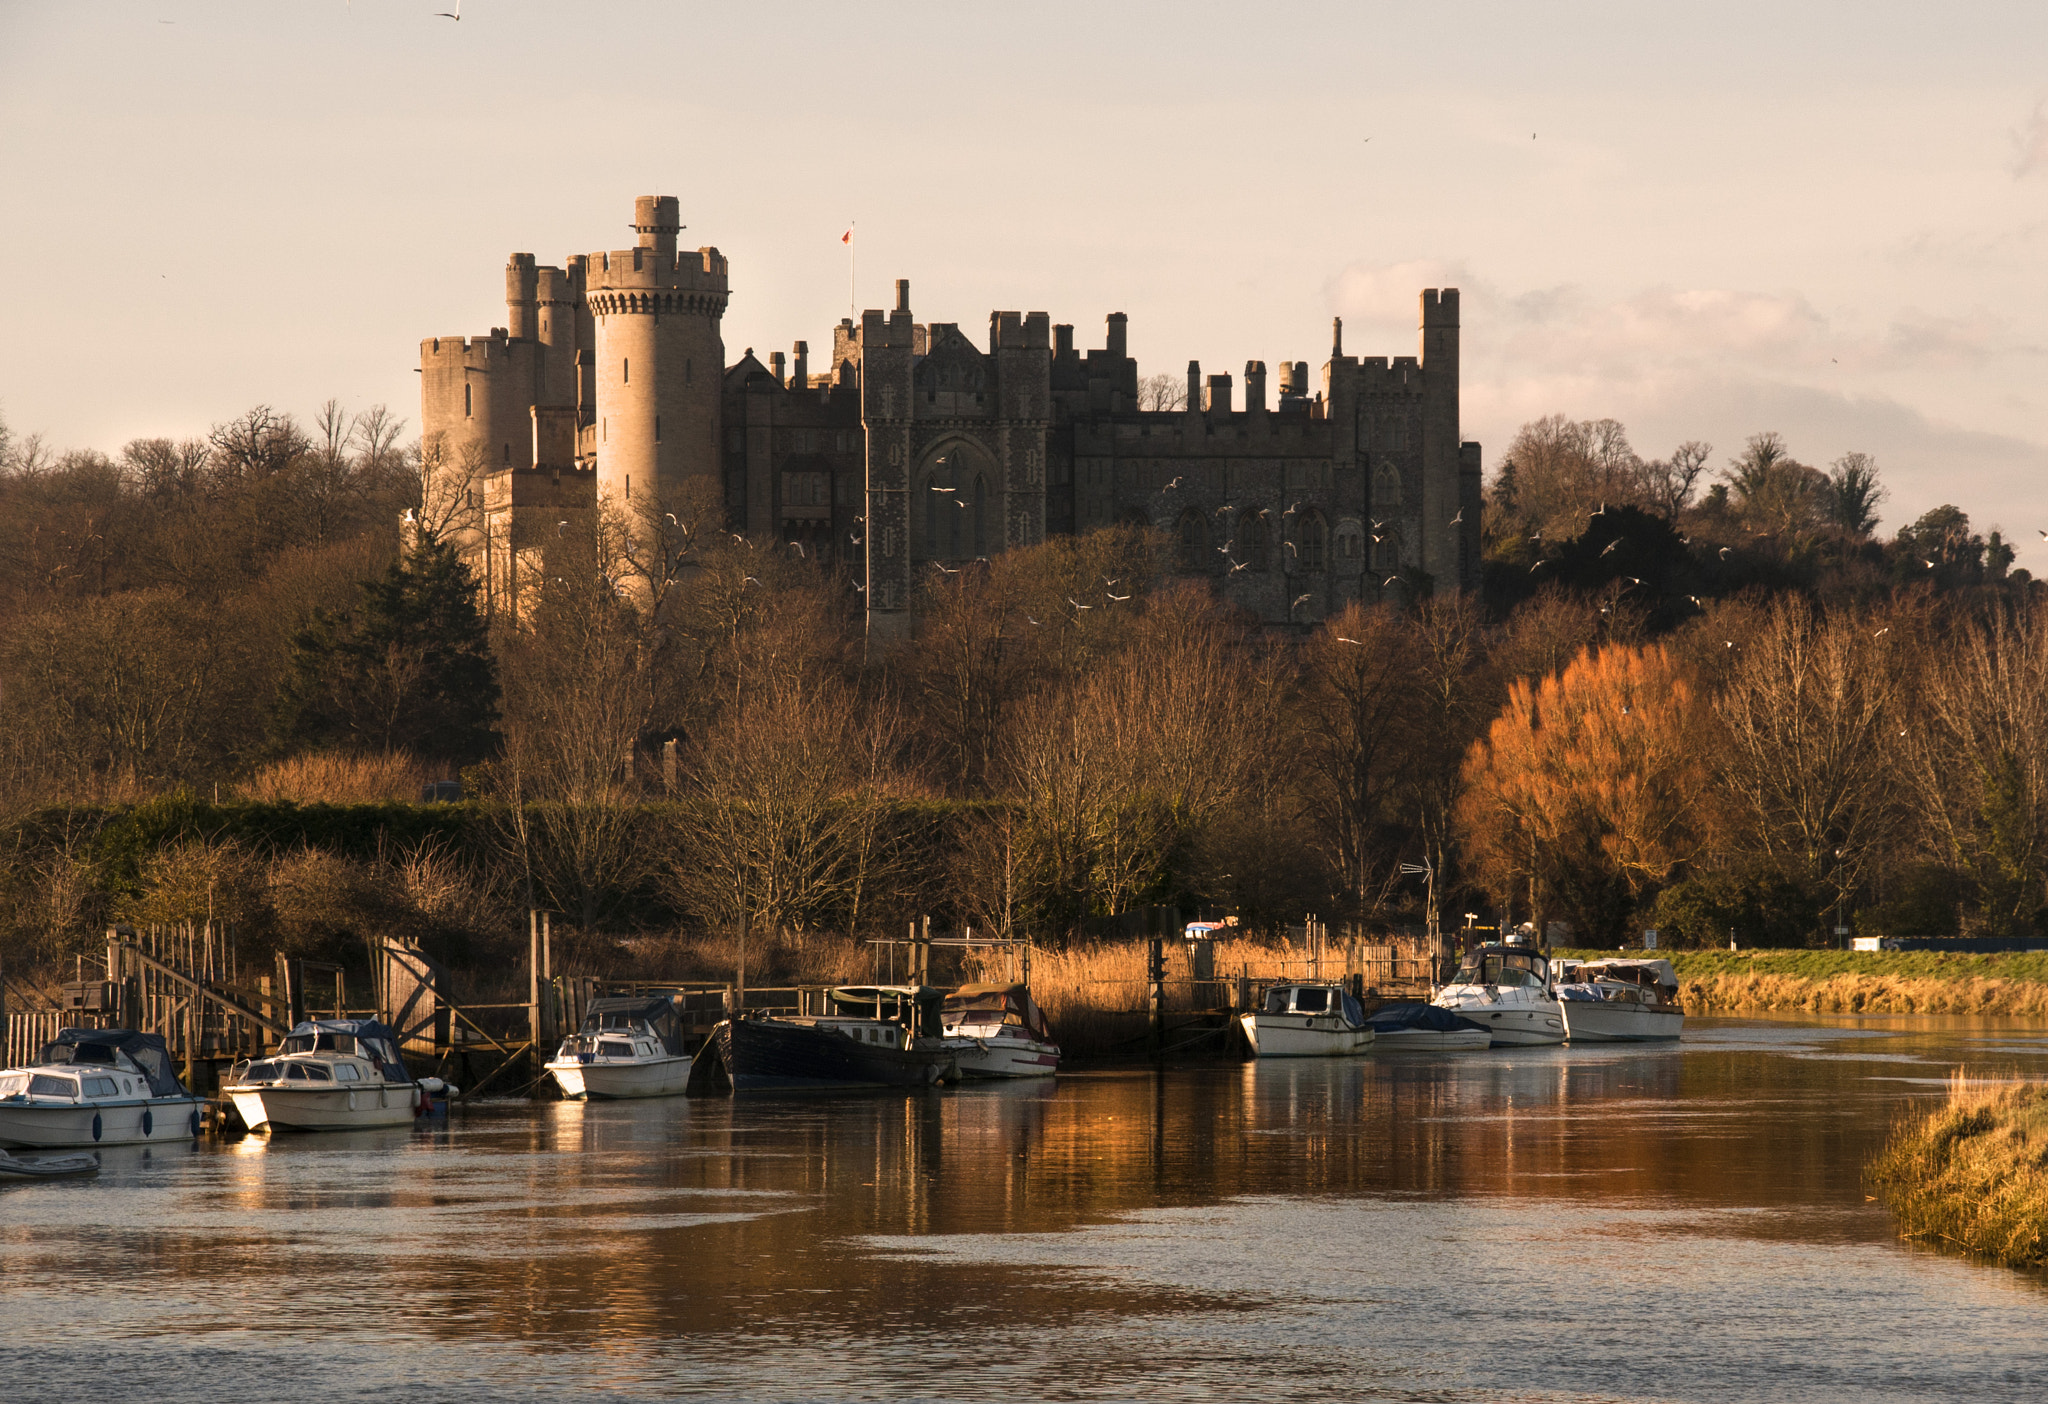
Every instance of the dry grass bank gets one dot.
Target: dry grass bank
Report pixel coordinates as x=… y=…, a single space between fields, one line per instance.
x=1974 y=1172
x=1865 y=994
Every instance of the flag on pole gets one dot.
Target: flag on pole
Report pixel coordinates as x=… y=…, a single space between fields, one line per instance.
x=847 y=237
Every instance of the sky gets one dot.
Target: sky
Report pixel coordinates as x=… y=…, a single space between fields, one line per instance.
x=1827 y=220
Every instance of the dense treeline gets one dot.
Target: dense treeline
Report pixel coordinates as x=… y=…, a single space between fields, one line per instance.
x=1693 y=697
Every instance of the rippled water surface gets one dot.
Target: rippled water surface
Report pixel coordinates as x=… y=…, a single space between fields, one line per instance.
x=1675 y=1223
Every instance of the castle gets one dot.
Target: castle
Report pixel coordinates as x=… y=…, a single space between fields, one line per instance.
x=915 y=449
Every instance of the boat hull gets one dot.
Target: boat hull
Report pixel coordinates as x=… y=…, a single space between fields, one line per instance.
x=599 y=1082
x=1513 y=1019
x=1008 y=1057
x=1604 y=1021
x=1431 y=1040
x=775 y=1055
x=1303 y=1036
x=48 y=1126
x=325 y=1108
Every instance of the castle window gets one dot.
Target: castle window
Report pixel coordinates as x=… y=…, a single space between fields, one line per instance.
x=468 y=404
x=1193 y=556
x=625 y=370
x=508 y=455
x=1311 y=540
x=1386 y=550
x=1386 y=489
x=629 y=487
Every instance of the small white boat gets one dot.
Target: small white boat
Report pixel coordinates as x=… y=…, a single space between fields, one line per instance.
x=1424 y=1028
x=48 y=1167
x=97 y=1087
x=1620 y=1001
x=1505 y=989
x=1008 y=1029
x=629 y=1046
x=329 y=1075
x=1307 y=1021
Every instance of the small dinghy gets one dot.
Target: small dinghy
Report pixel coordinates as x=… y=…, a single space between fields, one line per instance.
x=1415 y=1028
x=97 y=1087
x=329 y=1075
x=1307 y=1021
x=51 y=1167
x=629 y=1046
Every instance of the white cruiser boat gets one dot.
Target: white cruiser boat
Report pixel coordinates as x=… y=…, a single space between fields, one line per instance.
x=1307 y=1021
x=329 y=1075
x=1008 y=1028
x=1505 y=989
x=97 y=1087
x=628 y=1046
x=1620 y=1001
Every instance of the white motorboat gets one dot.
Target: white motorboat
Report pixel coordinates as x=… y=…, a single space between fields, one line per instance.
x=97 y=1087
x=1307 y=1021
x=1620 y=1001
x=329 y=1075
x=629 y=1046
x=1505 y=989
x=1424 y=1028
x=1010 y=1035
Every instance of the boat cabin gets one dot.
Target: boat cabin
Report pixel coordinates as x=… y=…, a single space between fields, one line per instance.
x=349 y=1051
x=1621 y=981
x=136 y=1064
x=620 y=1028
x=993 y=1007
x=1313 y=999
x=1503 y=967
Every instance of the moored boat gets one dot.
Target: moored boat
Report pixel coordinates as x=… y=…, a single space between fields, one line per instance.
x=97 y=1087
x=328 y=1075
x=1505 y=989
x=627 y=1047
x=1620 y=1001
x=1307 y=1021
x=1007 y=1028
x=48 y=1167
x=1417 y=1028
x=877 y=1036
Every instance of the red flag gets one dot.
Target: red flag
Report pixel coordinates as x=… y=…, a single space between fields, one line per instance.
x=847 y=237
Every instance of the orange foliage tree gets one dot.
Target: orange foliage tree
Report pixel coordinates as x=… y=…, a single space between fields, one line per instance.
x=1587 y=792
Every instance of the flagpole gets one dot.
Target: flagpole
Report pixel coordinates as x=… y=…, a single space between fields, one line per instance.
x=852 y=271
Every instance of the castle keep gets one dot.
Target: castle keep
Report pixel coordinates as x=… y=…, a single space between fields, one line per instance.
x=914 y=448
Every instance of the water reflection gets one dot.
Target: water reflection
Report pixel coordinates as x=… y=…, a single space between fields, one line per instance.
x=1504 y=1224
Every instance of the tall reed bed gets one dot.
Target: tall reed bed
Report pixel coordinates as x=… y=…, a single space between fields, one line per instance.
x=1096 y=997
x=1973 y=1172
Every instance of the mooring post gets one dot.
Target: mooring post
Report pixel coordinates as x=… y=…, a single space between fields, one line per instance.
x=1155 y=974
x=547 y=978
x=533 y=981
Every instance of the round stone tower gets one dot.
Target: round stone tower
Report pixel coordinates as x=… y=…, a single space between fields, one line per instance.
x=659 y=357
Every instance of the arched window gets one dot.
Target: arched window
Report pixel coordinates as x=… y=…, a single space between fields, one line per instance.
x=1194 y=542
x=1386 y=550
x=468 y=404
x=1310 y=539
x=1386 y=490
x=508 y=455
x=1350 y=543
x=1258 y=542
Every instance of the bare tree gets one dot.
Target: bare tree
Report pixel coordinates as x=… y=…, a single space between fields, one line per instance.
x=1163 y=392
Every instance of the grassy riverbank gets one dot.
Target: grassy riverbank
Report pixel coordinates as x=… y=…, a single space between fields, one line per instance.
x=1860 y=982
x=1970 y=1173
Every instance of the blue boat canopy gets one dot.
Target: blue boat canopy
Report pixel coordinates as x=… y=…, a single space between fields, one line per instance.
x=1390 y=1017
x=147 y=1051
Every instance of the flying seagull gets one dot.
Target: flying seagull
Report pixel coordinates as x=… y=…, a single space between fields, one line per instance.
x=1341 y=639
x=1882 y=632
x=1299 y=601
x=1118 y=598
x=1459 y=518
x=1610 y=546
x=1725 y=550
x=561 y=527
x=1388 y=581
x=1077 y=604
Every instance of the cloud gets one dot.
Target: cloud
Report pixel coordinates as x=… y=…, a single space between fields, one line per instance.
x=2030 y=143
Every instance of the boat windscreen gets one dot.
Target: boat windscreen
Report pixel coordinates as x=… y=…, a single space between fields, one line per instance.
x=96 y=1046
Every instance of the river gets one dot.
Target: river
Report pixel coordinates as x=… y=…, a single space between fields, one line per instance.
x=1683 y=1222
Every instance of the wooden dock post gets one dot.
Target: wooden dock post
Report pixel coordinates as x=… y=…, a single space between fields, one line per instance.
x=533 y=980
x=1155 y=976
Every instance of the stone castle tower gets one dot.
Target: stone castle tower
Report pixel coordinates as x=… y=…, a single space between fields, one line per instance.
x=918 y=449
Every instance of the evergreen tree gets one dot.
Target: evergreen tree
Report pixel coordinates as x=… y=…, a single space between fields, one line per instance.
x=409 y=669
